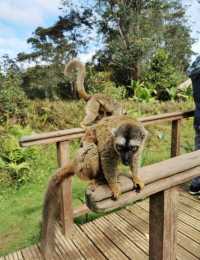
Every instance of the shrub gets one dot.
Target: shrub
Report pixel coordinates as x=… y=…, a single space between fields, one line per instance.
x=15 y=161
x=162 y=76
x=13 y=101
x=100 y=82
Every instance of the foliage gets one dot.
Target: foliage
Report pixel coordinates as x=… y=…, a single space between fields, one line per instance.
x=161 y=76
x=51 y=48
x=100 y=82
x=141 y=92
x=15 y=162
x=13 y=102
x=53 y=115
x=133 y=31
x=55 y=44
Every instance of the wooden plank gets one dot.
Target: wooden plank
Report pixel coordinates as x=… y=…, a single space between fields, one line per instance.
x=69 y=134
x=65 y=246
x=187 y=219
x=163 y=225
x=33 y=253
x=26 y=254
x=166 y=117
x=86 y=246
x=187 y=209
x=37 y=252
x=52 y=140
x=152 y=173
x=19 y=255
x=138 y=238
x=191 y=246
x=189 y=196
x=190 y=202
x=52 y=137
x=120 y=240
x=126 y=198
x=105 y=245
x=188 y=231
x=175 y=138
x=185 y=233
x=141 y=220
x=66 y=209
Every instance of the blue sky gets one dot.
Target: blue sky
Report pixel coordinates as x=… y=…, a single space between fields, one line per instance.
x=19 y=18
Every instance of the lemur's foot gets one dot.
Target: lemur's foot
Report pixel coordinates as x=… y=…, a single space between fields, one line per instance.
x=138 y=183
x=116 y=191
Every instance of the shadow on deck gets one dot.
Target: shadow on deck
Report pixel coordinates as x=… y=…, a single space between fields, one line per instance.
x=123 y=235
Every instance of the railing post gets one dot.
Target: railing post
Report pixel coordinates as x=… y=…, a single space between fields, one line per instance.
x=175 y=138
x=66 y=209
x=162 y=225
x=163 y=212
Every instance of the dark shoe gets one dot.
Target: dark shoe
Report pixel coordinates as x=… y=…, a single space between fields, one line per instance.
x=194 y=189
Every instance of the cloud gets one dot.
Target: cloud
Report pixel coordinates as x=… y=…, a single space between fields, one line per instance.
x=18 y=19
x=24 y=13
x=12 y=45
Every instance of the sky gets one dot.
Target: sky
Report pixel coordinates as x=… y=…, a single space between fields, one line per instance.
x=19 y=18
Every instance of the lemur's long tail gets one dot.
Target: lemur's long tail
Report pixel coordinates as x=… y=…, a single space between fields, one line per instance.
x=75 y=64
x=51 y=209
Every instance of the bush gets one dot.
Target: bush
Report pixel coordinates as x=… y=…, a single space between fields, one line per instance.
x=162 y=76
x=15 y=167
x=13 y=101
x=100 y=82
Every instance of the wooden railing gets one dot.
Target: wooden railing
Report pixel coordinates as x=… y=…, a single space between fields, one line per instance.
x=62 y=139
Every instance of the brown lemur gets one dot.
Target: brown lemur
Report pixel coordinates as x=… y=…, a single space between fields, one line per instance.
x=117 y=138
x=85 y=166
x=98 y=105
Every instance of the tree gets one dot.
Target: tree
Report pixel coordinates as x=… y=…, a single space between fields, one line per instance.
x=52 y=47
x=134 y=30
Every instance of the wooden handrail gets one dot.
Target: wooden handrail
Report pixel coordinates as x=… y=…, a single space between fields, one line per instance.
x=74 y=133
x=157 y=177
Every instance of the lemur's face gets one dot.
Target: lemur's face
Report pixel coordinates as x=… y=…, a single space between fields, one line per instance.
x=127 y=141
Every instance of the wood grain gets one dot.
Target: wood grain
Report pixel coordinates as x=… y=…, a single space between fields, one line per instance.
x=66 y=210
x=162 y=225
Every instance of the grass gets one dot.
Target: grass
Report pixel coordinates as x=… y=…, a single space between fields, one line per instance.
x=21 y=208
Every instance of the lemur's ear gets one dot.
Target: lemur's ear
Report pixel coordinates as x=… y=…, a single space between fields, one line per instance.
x=114 y=131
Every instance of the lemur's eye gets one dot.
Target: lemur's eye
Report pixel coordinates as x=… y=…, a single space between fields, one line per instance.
x=134 y=148
x=119 y=147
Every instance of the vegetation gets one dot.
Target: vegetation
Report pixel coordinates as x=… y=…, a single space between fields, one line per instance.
x=143 y=54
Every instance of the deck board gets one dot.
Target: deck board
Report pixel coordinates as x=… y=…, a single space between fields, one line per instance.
x=123 y=235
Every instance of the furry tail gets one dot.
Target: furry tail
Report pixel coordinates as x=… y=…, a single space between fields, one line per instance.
x=51 y=209
x=76 y=64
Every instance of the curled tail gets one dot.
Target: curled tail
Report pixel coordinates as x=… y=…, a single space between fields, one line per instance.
x=75 y=64
x=51 y=210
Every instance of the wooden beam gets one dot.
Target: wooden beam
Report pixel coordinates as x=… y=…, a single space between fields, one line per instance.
x=175 y=137
x=74 y=133
x=152 y=173
x=167 y=117
x=163 y=225
x=66 y=210
x=157 y=177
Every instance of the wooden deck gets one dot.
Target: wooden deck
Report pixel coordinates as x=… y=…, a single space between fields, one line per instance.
x=123 y=235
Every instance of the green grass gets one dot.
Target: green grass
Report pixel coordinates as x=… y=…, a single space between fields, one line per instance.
x=21 y=208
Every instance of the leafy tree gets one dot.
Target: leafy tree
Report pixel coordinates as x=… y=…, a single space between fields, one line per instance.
x=134 y=30
x=13 y=101
x=52 y=47
x=161 y=77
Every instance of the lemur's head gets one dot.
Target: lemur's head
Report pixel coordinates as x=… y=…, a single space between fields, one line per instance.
x=127 y=140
